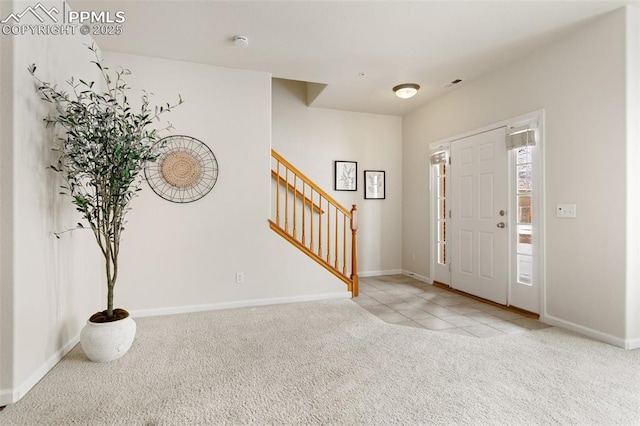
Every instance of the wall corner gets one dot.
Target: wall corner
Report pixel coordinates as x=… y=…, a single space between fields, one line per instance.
x=632 y=72
x=6 y=213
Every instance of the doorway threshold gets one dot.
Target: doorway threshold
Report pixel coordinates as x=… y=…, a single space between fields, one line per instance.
x=522 y=312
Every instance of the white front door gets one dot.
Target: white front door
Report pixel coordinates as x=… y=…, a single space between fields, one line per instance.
x=479 y=233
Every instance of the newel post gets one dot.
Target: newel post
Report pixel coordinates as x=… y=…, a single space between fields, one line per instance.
x=354 y=251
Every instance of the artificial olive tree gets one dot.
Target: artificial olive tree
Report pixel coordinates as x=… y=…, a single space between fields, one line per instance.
x=102 y=149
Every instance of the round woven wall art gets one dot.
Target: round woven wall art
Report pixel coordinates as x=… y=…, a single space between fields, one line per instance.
x=185 y=171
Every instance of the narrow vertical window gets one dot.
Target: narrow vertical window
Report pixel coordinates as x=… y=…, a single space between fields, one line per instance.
x=524 y=142
x=524 y=179
x=439 y=174
x=441 y=199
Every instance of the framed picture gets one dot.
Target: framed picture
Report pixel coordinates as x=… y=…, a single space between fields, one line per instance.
x=346 y=176
x=374 y=185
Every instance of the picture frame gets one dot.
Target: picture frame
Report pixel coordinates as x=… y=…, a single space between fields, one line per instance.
x=345 y=176
x=374 y=185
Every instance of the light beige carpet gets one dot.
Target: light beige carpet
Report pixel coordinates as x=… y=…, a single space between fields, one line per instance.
x=333 y=362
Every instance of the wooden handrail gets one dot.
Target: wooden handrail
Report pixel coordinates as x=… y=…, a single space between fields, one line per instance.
x=329 y=242
x=292 y=188
x=309 y=182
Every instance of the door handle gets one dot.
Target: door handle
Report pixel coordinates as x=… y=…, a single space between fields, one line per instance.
x=501 y=225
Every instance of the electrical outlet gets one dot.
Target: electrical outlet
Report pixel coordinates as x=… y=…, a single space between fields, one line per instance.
x=566 y=211
x=239 y=277
x=413 y=256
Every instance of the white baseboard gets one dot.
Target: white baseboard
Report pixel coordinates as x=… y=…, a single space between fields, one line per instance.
x=417 y=277
x=366 y=274
x=240 y=304
x=632 y=344
x=10 y=396
x=589 y=332
x=6 y=397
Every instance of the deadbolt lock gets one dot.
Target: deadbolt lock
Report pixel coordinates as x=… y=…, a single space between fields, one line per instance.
x=502 y=212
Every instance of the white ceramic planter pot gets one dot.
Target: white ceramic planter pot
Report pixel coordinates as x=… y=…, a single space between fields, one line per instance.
x=107 y=341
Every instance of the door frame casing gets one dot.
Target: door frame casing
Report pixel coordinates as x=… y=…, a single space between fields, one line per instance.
x=539 y=268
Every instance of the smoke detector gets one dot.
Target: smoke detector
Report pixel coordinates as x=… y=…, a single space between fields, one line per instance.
x=240 y=41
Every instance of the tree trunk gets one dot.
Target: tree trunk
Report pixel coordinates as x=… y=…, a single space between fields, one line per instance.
x=111 y=268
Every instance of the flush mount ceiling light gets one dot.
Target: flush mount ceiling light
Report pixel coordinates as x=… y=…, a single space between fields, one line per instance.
x=406 y=91
x=241 y=41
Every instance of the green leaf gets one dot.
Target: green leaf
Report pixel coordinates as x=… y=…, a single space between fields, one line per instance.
x=102 y=146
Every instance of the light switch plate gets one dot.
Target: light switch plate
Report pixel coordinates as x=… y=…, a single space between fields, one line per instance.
x=566 y=211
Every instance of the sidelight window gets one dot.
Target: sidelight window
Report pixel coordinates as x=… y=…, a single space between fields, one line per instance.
x=524 y=179
x=439 y=161
x=521 y=142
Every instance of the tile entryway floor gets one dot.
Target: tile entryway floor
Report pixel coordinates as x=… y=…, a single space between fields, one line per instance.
x=402 y=300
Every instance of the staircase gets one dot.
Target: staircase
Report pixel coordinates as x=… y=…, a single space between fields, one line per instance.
x=310 y=219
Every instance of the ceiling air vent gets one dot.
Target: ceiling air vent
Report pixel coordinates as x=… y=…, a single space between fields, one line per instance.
x=454 y=82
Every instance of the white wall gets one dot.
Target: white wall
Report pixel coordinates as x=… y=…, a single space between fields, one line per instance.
x=178 y=257
x=633 y=172
x=313 y=138
x=52 y=282
x=174 y=257
x=580 y=82
x=6 y=212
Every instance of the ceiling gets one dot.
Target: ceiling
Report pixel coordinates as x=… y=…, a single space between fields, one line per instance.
x=358 y=49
